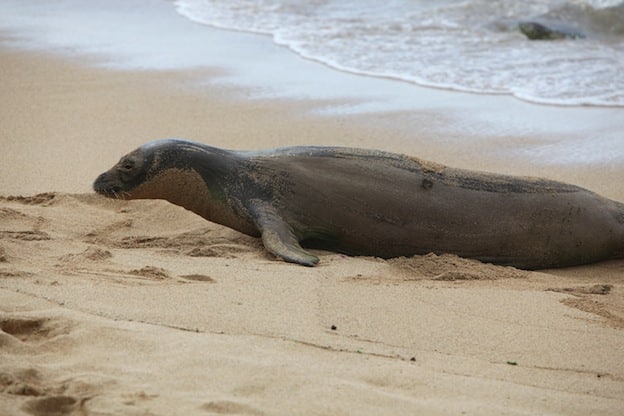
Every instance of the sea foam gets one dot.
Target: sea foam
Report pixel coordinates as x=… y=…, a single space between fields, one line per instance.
x=473 y=46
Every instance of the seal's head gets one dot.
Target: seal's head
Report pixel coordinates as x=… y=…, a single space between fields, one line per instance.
x=121 y=179
x=188 y=174
x=171 y=169
x=154 y=170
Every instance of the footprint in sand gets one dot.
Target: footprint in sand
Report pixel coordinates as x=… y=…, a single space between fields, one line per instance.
x=14 y=273
x=45 y=199
x=198 y=278
x=18 y=384
x=151 y=272
x=219 y=250
x=27 y=391
x=29 y=235
x=92 y=253
x=22 y=329
x=586 y=299
x=157 y=273
x=54 y=406
x=19 y=226
x=29 y=382
x=190 y=244
x=103 y=235
x=21 y=382
x=584 y=290
x=225 y=407
x=16 y=331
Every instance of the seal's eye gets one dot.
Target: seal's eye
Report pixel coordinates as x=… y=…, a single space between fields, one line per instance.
x=127 y=169
x=127 y=165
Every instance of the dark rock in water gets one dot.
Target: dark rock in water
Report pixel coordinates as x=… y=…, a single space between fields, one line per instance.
x=546 y=31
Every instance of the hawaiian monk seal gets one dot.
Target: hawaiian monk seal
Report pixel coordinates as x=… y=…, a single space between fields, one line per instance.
x=367 y=202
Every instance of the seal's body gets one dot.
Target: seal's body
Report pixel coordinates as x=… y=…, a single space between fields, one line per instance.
x=365 y=202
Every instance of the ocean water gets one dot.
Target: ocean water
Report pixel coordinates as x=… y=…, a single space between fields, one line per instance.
x=152 y=35
x=465 y=45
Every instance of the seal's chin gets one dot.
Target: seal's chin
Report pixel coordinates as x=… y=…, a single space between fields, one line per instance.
x=108 y=186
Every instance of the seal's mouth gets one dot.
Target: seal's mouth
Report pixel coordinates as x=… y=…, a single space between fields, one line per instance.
x=108 y=186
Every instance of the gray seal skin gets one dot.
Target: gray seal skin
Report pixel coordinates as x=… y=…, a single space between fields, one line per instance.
x=367 y=202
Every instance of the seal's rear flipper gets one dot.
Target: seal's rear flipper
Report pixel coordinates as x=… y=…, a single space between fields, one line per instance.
x=277 y=236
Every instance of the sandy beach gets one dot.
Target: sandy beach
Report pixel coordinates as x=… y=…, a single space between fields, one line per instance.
x=142 y=308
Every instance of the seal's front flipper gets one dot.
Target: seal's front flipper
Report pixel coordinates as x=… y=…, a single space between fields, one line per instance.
x=277 y=236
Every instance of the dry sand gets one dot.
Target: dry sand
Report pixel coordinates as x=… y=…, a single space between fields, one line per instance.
x=142 y=308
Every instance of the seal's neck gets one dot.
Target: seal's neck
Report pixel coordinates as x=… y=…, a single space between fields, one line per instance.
x=195 y=177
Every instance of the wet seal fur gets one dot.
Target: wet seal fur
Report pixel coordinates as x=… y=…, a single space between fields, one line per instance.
x=367 y=202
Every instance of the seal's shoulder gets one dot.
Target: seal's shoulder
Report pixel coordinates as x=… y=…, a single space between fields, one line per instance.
x=352 y=153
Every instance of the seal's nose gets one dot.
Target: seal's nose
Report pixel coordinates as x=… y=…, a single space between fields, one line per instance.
x=106 y=185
